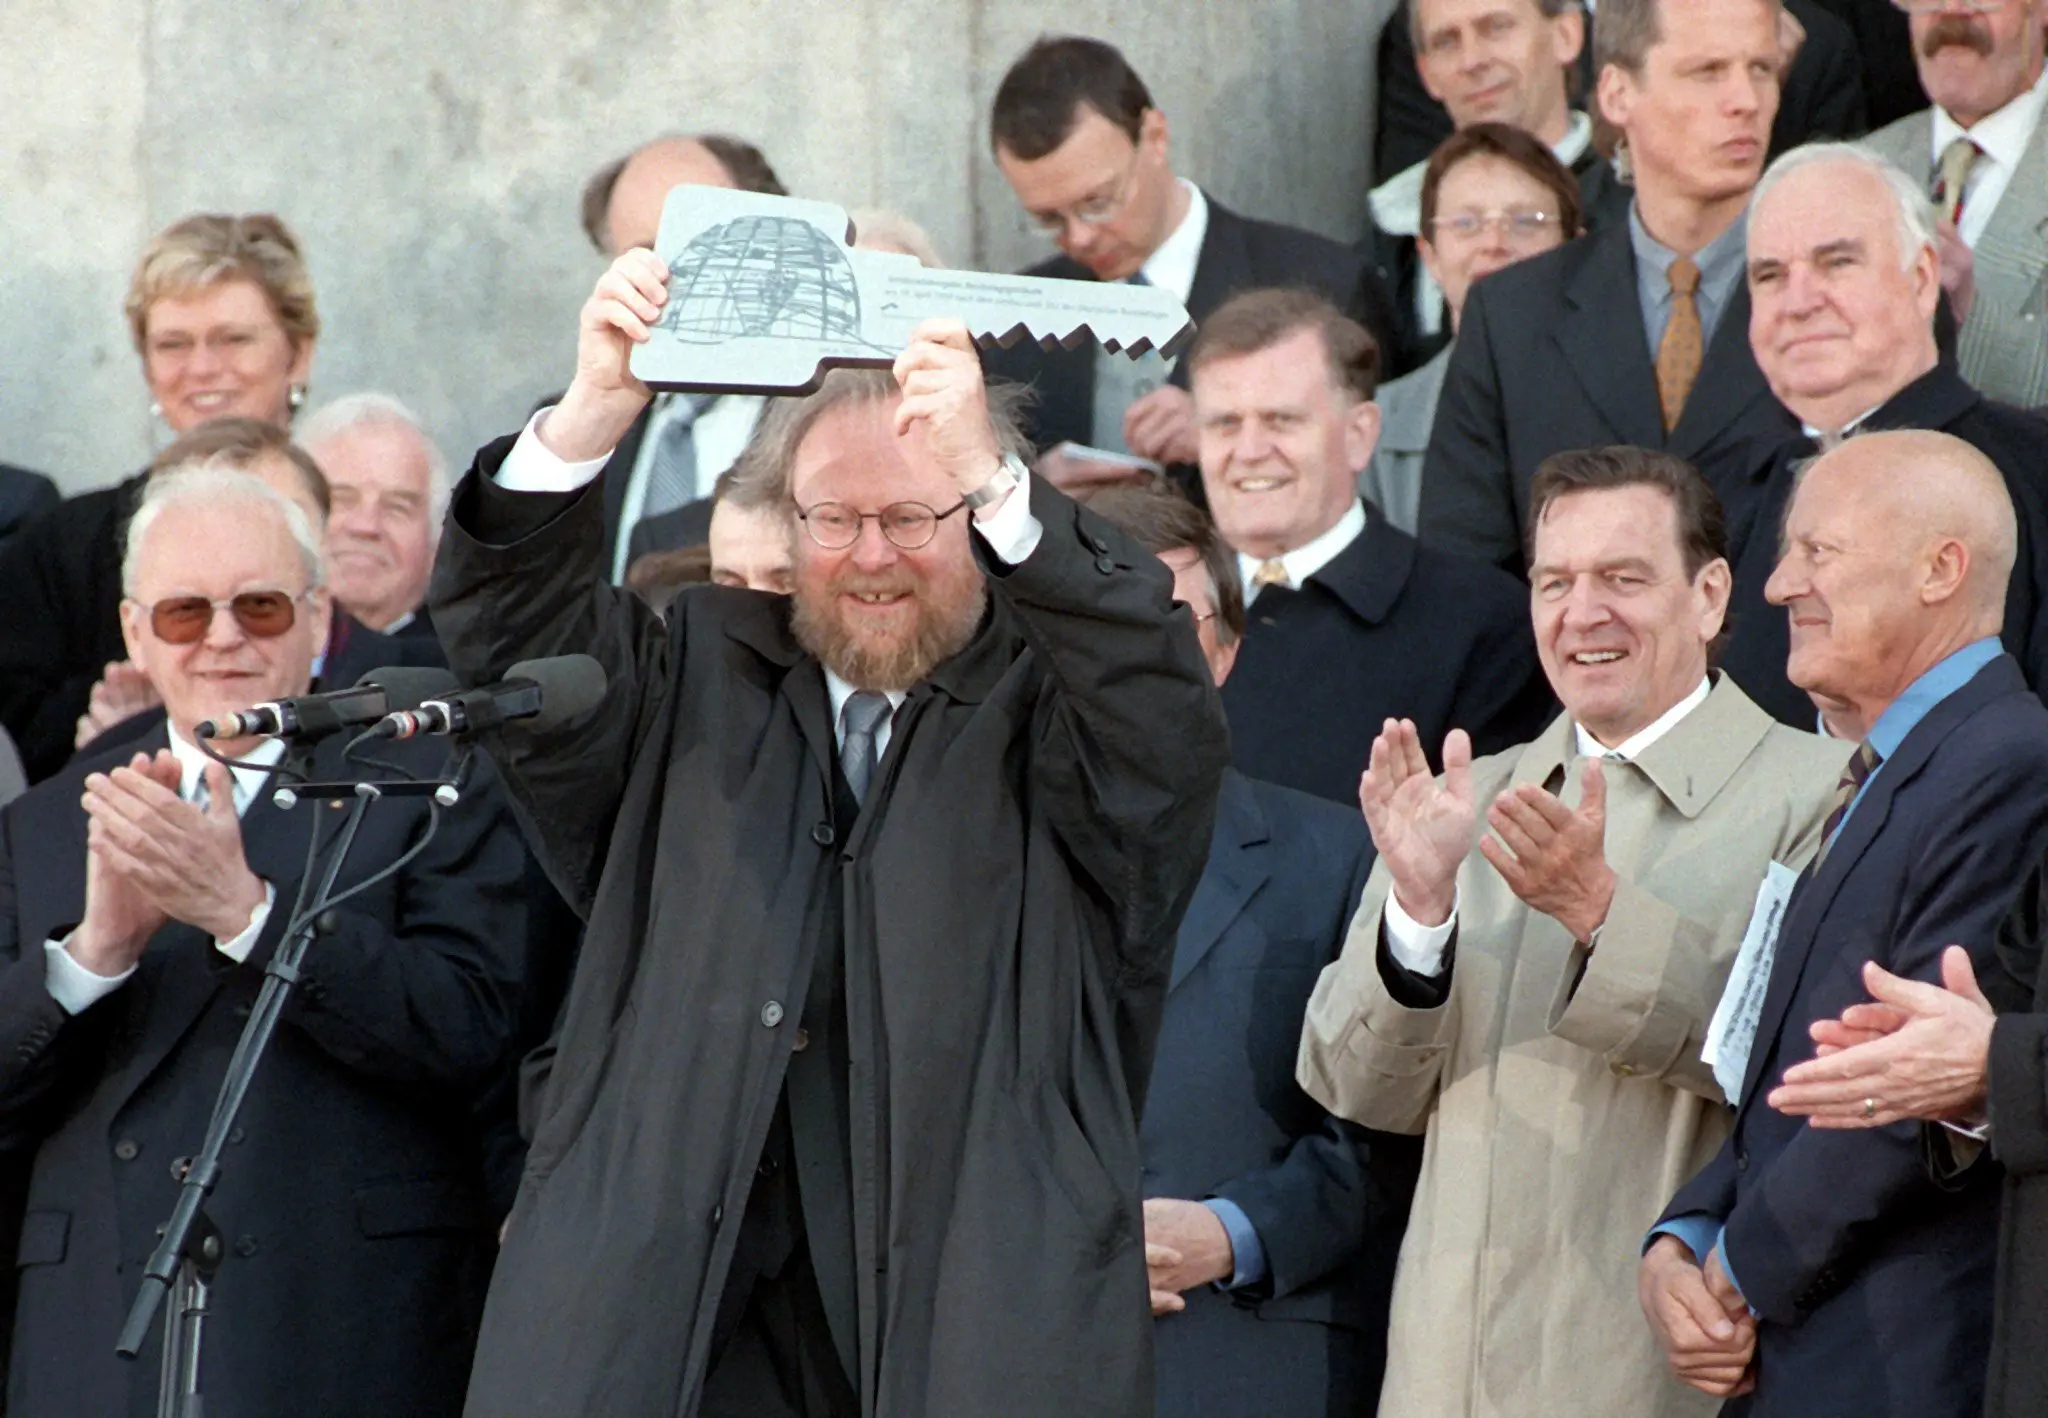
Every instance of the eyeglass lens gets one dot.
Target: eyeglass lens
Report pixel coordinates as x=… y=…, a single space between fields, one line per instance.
x=181 y=620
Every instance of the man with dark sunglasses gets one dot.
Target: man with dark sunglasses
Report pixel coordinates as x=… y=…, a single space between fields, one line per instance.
x=143 y=890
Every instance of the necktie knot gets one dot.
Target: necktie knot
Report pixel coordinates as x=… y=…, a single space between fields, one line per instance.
x=1684 y=276
x=1271 y=572
x=859 y=720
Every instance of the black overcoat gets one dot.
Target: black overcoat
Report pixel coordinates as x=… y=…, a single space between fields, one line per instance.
x=1010 y=896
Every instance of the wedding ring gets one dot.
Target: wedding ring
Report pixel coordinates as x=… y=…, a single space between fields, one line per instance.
x=1869 y=1109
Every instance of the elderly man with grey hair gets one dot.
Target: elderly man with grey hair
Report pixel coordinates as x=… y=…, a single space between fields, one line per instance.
x=143 y=891
x=1844 y=276
x=388 y=488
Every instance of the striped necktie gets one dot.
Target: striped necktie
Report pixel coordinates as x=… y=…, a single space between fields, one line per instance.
x=1954 y=173
x=1861 y=765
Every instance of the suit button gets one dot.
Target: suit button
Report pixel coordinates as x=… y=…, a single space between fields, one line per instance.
x=823 y=834
x=1741 y=1160
x=1094 y=543
x=127 y=1149
x=242 y=1010
x=767 y=1167
x=245 y=1246
x=803 y=1040
x=1104 y=565
x=718 y=1213
x=771 y=1013
x=235 y=1134
x=1622 y=1070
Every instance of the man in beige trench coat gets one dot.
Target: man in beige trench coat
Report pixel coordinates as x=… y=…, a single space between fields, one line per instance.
x=1537 y=1005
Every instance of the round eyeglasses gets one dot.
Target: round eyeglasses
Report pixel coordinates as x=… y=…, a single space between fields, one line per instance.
x=1093 y=211
x=908 y=525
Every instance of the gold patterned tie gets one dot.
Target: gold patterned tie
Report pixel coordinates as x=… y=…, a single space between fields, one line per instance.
x=1683 y=346
x=1956 y=161
x=1272 y=572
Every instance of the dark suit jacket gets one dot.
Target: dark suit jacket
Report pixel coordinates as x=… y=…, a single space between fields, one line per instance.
x=2014 y=439
x=1389 y=629
x=2018 y=989
x=1238 y=254
x=1823 y=95
x=23 y=494
x=1873 y=1284
x=1225 y=1118
x=1551 y=356
x=353 y=1195
x=1884 y=52
x=685 y=526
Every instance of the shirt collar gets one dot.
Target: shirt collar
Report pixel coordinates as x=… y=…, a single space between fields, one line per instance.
x=1720 y=260
x=1578 y=136
x=1172 y=266
x=1937 y=683
x=1631 y=748
x=268 y=753
x=1311 y=556
x=1845 y=430
x=840 y=691
x=2003 y=136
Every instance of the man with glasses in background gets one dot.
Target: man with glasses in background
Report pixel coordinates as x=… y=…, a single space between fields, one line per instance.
x=1982 y=153
x=1080 y=143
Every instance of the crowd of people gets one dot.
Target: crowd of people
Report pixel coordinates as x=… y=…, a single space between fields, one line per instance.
x=1475 y=843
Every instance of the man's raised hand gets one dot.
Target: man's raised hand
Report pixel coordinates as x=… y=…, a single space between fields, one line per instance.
x=945 y=402
x=1552 y=857
x=1421 y=828
x=604 y=398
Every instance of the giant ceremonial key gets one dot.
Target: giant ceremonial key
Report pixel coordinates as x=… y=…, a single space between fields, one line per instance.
x=765 y=294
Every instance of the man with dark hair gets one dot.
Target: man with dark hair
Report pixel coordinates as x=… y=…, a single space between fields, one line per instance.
x=1081 y=144
x=1637 y=334
x=1270 y=1226
x=1536 y=1006
x=881 y=878
x=1844 y=284
x=673 y=453
x=1506 y=62
x=1351 y=622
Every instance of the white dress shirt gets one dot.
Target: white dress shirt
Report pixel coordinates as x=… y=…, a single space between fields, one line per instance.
x=2002 y=137
x=1308 y=558
x=1420 y=948
x=76 y=988
x=1172 y=266
x=1007 y=526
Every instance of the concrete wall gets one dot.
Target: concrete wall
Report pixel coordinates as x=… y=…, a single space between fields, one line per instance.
x=430 y=156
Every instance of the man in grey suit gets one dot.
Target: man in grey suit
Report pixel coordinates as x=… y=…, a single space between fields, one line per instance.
x=1982 y=153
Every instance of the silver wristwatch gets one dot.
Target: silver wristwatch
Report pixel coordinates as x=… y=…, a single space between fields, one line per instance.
x=1011 y=473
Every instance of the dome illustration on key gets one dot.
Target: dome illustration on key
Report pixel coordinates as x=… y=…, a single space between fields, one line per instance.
x=762 y=276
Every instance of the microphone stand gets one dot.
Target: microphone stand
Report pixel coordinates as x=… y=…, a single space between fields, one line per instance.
x=189 y=1254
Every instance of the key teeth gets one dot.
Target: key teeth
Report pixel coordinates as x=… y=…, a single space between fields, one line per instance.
x=1083 y=334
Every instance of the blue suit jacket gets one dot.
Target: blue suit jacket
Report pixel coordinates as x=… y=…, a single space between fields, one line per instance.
x=1225 y=1118
x=1873 y=1285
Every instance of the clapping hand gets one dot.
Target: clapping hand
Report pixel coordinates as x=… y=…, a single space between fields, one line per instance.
x=1554 y=857
x=1422 y=828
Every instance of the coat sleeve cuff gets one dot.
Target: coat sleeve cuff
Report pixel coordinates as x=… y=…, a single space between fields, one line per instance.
x=2018 y=1087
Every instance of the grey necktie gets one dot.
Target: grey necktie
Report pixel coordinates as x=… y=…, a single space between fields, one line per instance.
x=858 y=720
x=672 y=474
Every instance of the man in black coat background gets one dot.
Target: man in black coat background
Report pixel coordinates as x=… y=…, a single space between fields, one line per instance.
x=1079 y=141
x=881 y=881
x=1349 y=621
x=1853 y=1285
x=133 y=937
x=1274 y=1226
x=1565 y=350
x=1843 y=329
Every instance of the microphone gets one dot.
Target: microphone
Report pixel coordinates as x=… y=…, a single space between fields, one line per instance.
x=315 y=716
x=542 y=692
